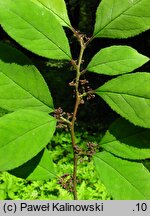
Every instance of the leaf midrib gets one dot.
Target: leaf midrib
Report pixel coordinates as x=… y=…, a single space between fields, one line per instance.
x=127 y=94
x=58 y=47
x=123 y=137
x=55 y=13
x=32 y=129
x=47 y=170
x=120 y=175
x=26 y=90
x=107 y=62
x=116 y=18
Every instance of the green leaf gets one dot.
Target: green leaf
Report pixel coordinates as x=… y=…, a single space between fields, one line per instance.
x=24 y=134
x=39 y=168
x=123 y=179
x=125 y=140
x=58 y=8
x=34 y=28
x=21 y=84
x=146 y=163
x=3 y=112
x=122 y=19
x=116 y=60
x=129 y=96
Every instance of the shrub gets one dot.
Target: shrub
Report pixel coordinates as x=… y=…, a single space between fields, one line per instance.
x=31 y=118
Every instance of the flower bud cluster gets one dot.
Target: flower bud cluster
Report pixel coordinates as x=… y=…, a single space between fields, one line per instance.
x=85 y=88
x=92 y=147
x=66 y=181
x=59 y=114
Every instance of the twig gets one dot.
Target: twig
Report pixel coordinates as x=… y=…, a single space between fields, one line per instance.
x=78 y=99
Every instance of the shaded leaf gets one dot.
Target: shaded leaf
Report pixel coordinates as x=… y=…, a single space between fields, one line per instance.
x=116 y=60
x=129 y=96
x=146 y=163
x=123 y=179
x=122 y=19
x=38 y=168
x=23 y=135
x=3 y=112
x=127 y=141
x=34 y=28
x=21 y=84
x=58 y=8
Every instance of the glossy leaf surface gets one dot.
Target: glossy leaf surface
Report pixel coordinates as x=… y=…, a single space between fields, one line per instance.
x=125 y=140
x=23 y=135
x=129 y=96
x=122 y=19
x=124 y=180
x=116 y=60
x=39 y=168
x=34 y=28
x=21 y=84
x=58 y=8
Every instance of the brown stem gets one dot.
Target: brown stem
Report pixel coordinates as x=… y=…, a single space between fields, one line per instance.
x=74 y=144
x=78 y=98
x=74 y=152
x=71 y=124
x=77 y=35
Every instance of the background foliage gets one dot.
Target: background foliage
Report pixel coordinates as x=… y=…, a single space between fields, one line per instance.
x=90 y=188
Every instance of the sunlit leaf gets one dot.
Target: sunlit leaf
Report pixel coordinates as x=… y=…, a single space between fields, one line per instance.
x=40 y=167
x=58 y=8
x=34 y=28
x=23 y=135
x=127 y=141
x=122 y=19
x=123 y=179
x=116 y=60
x=21 y=84
x=129 y=96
